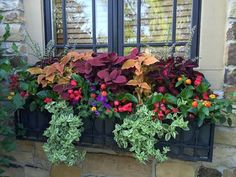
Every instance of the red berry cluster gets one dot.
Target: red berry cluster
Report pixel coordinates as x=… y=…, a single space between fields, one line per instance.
x=14 y=82
x=75 y=95
x=122 y=108
x=198 y=80
x=24 y=94
x=161 y=110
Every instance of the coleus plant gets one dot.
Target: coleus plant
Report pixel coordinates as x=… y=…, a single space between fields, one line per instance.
x=102 y=68
x=141 y=64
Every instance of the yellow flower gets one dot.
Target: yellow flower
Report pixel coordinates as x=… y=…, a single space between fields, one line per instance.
x=212 y=96
x=12 y=93
x=9 y=97
x=93 y=108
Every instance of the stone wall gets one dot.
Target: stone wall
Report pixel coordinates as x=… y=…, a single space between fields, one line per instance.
x=30 y=160
x=13 y=12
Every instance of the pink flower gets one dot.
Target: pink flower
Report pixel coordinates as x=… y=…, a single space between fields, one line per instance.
x=175 y=110
x=47 y=100
x=205 y=96
x=73 y=83
x=126 y=108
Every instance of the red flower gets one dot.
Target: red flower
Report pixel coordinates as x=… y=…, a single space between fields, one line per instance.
x=70 y=91
x=198 y=80
x=115 y=110
x=116 y=103
x=160 y=115
x=205 y=96
x=103 y=86
x=24 y=94
x=126 y=108
x=47 y=100
x=175 y=110
x=73 y=83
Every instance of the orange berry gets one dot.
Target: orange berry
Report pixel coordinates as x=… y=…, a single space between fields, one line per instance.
x=188 y=81
x=194 y=104
x=93 y=95
x=180 y=79
x=103 y=86
x=104 y=93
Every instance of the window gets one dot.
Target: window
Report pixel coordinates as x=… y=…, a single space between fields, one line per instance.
x=119 y=25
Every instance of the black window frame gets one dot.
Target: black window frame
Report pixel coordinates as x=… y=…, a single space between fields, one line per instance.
x=116 y=26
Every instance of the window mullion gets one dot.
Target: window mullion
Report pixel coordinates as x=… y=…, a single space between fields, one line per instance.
x=138 y=24
x=174 y=22
x=120 y=27
x=94 y=25
x=196 y=9
x=64 y=17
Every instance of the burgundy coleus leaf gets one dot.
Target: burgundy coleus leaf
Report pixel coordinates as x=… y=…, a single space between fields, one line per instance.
x=103 y=74
x=133 y=54
x=96 y=62
x=114 y=74
x=120 y=79
x=119 y=60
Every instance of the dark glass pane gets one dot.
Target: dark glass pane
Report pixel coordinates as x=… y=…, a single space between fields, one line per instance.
x=156 y=20
x=79 y=21
x=183 y=21
x=102 y=21
x=57 y=22
x=130 y=22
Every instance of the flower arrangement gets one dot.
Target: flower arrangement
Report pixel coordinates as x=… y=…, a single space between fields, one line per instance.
x=154 y=97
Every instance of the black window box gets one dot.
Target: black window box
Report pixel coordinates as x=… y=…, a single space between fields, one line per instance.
x=193 y=145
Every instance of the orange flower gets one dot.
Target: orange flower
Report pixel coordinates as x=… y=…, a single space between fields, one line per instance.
x=194 y=104
x=188 y=82
x=207 y=104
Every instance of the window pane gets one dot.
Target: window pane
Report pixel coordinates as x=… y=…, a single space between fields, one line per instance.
x=79 y=21
x=102 y=21
x=127 y=50
x=156 y=20
x=130 y=22
x=183 y=26
x=102 y=50
x=57 y=22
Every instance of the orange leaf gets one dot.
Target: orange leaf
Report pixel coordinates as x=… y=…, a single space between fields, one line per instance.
x=144 y=85
x=40 y=78
x=59 y=67
x=65 y=60
x=63 y=80
x=150 y=60
x=132 y=82
x=48 y=70
x=50 y=78
x=129 y=64
x=35 y=70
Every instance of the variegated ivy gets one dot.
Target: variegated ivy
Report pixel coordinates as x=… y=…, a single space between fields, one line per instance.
x=65 y=129
x=140 y=133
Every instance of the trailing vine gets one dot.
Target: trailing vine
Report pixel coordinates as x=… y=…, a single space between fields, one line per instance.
x=140 y=133
x=65 y=129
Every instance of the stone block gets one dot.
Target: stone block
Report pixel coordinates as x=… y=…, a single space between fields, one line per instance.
x=231 y=50
x=64 y=171
x=17 y=32
x=7 y=5
x=40 y=158
x=225 y=135
x=22 y=158
x=223 y=157
x=229 y=173
x=208 y=172
x=15 y=16
x=14 y=172
x=25 y=146
x=232 y=10
x=36 y=172
x=230 y=75
x=175 y=169
x=114 y=166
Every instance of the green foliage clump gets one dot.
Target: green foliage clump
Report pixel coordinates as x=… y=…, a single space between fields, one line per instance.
x=140 y=133
x=65 y=129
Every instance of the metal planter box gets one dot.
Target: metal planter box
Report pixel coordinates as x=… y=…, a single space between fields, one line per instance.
x=193 y=145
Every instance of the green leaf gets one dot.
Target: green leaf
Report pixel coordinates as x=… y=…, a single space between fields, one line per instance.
x=157 y=97
x=170 y=98
x=45 y=93
x=24 y=86
x=178 y=83
x=186 y=93
x=128 y=97
x=203 y=87
x=205 y=111
x=18 y=101
x=33 y=106
x=78 y=79
x=229 y=120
